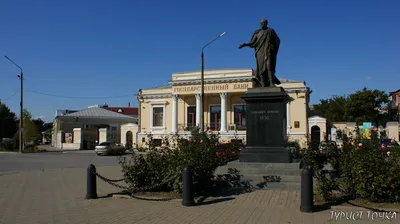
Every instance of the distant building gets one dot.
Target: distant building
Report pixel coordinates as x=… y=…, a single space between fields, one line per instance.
x=395 y=102
x=81 y=129
x=129 y=111
x=64 y=112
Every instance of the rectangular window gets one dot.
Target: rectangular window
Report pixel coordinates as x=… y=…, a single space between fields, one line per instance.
x=114 y=133
x=239 y=116
x=215 y=117
x=297 y=124
x=158 y=116
x=157 y=142
x=191 y=116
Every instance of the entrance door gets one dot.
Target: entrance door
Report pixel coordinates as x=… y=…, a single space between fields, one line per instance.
x=191 y=117
x=215 y=117
x=315 y=136
x=129 y=140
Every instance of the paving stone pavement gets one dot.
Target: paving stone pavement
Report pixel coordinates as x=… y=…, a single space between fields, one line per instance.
x=57 y=196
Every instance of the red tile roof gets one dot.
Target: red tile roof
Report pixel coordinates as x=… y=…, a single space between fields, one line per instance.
x=130 y=111
x=392 y=93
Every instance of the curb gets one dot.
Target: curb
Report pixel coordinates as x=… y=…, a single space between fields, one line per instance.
x=5 y=152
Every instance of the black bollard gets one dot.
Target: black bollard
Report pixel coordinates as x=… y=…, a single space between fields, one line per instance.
x=307 y=190
x=91 y=188
x=187 y=194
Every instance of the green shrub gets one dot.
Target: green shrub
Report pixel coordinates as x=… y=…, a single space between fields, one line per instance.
x=163 y=166
x=362 y=169
x=9 y=145
x=141 y=149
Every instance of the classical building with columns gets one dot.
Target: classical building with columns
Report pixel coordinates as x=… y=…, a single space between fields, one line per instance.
x=176 y=107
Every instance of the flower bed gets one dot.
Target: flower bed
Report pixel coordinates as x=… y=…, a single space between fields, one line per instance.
x=363 y=169
x=160 y=169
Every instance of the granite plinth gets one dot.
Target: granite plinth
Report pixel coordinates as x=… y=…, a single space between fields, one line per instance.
x=266 y=125
x=265 y=154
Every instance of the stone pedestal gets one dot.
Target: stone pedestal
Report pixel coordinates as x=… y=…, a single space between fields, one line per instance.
x=266 y=126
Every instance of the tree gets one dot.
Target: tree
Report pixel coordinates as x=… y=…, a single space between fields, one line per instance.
x=333 y=109
x=8 y=122
x=44 y=129
x=367 y=106
x=362 y=106
x=39 y=124
x=48 y=126
x=31 y=134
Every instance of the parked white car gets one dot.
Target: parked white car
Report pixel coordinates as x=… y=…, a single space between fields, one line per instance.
x=107 y=148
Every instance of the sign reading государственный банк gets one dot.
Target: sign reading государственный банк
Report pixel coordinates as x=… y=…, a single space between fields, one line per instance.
x=213 y=88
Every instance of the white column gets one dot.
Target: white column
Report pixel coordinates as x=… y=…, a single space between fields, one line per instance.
x=288 y=119
x=174 y=113
x=198 y=109
x=223 y=96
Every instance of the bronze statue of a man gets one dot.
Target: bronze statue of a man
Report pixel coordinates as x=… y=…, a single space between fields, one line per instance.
x=266 y=45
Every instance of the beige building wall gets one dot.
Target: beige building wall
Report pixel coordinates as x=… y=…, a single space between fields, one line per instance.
x=392 y=130
x=129 y=133
x=91 y=130
x=185 y=89
x=297 y=123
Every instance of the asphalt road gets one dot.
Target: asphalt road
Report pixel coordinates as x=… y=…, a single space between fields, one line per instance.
x=54 y=160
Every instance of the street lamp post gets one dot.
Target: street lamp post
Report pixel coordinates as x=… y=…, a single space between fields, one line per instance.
x=202 y=81
x=21 y=118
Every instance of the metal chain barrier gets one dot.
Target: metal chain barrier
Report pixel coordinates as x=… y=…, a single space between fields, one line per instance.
x=135 y=190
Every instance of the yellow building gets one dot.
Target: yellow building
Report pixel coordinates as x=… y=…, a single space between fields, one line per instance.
x=176 y=108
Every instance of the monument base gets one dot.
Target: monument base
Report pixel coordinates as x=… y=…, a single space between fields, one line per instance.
x=265 y=154
x=266 y=126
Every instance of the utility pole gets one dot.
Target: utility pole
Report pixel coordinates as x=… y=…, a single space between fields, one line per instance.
x=21 y=117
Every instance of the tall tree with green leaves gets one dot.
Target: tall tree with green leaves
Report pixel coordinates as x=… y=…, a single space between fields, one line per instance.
x=367 y=105
x=30 y=132
x=364 y=105
x=333 y=109
x=8 y=122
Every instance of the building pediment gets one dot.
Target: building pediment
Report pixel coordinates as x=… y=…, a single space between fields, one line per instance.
x=317 y=119
x=129 y=125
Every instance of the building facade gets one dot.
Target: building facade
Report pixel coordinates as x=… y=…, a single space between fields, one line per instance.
x=395 y=104
x=83 y=129
x=176 y=107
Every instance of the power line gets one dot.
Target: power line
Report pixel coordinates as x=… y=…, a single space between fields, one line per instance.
x=8 y=98
x=81 y=97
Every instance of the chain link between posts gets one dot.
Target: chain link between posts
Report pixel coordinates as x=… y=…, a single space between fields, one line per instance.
x=135 y=190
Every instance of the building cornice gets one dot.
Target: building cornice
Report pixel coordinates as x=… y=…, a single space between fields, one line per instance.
x=169 y=95
x=157 y=96
x=210 y=81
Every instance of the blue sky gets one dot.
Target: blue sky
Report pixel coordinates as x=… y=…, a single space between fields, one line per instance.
x=113 y=48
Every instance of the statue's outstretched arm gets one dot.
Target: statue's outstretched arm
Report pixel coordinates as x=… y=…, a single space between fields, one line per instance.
x=252 y=42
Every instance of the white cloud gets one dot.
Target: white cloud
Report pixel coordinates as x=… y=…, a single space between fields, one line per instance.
x=41 y=117
x=368 y=77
